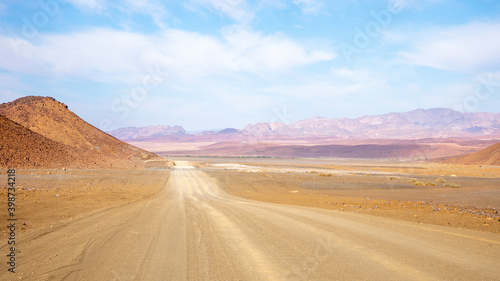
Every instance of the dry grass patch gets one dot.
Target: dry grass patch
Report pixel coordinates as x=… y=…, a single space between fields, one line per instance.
x=452 y=185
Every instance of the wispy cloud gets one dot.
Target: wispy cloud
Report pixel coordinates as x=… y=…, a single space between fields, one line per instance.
x=155 y=9
x=217 y=55
x=469 y=48
x=309 y=7
x=253 y=51
x=188 y=54
x=400 y=5
x=86 y=4
x=237 y=10
x=70 y=55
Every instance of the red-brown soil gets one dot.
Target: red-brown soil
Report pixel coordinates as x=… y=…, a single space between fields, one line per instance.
x=464 y=196
x=47 y=198
x=487 y=156
x=322 y=148
x=20 y=147
x=55 y=137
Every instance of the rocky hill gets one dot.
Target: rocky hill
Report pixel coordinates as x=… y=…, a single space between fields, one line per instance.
x=20 y=147
x=41 y=126
x=487 y=156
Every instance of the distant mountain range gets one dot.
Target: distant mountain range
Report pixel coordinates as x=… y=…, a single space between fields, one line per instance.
x=416 y=124
x=132 y=133
x=40 y=132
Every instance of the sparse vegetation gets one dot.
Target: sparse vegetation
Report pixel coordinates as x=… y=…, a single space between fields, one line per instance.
x=326 y=175
x=441 y=180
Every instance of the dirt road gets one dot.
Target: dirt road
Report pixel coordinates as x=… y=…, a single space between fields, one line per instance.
x=192 y=230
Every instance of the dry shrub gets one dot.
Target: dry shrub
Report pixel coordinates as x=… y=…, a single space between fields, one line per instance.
x=453 y=185
x=440 y=180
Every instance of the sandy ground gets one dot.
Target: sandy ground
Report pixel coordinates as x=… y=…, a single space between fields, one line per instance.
x=182 y=224
x=48 y=198
x=420 y=192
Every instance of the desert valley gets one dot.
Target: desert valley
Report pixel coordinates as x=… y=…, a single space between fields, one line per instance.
x=402 y=196
x=214 y=140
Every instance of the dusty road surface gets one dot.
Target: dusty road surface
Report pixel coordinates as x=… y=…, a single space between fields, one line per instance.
x=191 y=230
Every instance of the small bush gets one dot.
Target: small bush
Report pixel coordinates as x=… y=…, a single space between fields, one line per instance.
x=453 y=185
x=412 y=181
x=440 y=180
x=430 y=183
x=419 y=183
x=325 y=175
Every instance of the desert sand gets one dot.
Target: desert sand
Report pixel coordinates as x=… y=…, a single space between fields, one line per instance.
x=294 y=219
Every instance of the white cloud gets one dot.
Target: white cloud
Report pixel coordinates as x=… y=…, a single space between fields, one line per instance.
x=345 y=73
x=342 y=83
x=399 y=5
x=108 y=55
x=252 y=51
x=96 y=55
x=309 y=6
x=153 y=8
x=237 y=10
x=469 y=48
x=86 y=4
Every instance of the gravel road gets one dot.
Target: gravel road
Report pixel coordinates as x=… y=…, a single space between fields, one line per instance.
x=192 y=230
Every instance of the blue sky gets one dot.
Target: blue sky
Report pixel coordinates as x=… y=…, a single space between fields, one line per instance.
x=206 y=64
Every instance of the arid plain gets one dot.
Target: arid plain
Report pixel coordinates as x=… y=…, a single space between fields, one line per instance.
x=89 y=206
x=260 y=219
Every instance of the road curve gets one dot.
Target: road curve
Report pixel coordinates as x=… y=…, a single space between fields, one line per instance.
x=194 y=231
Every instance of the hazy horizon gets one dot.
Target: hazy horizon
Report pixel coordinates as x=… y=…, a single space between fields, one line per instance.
x=282 y=121
x=205 y=64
